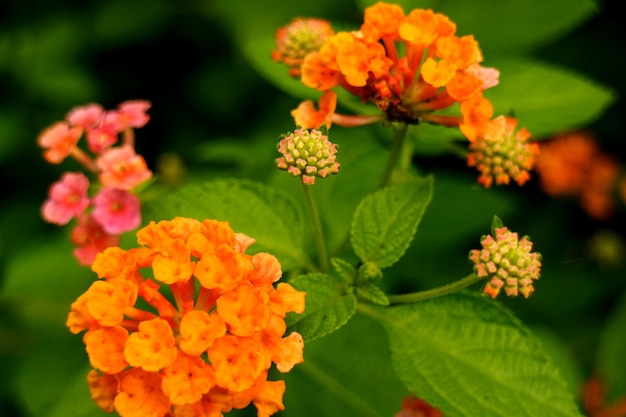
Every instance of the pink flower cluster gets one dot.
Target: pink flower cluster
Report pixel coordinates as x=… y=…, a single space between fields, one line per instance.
x=110 y=157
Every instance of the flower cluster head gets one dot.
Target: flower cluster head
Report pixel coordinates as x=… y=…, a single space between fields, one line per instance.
x=506 y=262
x=573 y=165
x=201 y=345
x=307 y=154
x=503 y=154
x=408 y=65
x=114 y=209
x=298 y=39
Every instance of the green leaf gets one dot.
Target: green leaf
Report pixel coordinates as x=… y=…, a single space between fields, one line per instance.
x=469 y=356
x=372 y=293
x=386 y=221
x=327 y=306
x=496 y=223
x=347 y=373
x=260 y=211
x=345 y=269
x=506 y=27
x=611 y=350
x=546 y=99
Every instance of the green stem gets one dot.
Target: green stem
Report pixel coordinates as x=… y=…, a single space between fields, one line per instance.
x=317 y=228
x=435 y=292
x=399 y=134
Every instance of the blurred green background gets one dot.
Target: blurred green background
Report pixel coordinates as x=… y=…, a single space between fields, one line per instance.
x=214 y=114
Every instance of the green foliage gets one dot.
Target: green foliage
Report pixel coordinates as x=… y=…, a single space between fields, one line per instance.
x=347 y=373
x=385 y=222
x=545 y=98
x=328 y=306
x=470 y=356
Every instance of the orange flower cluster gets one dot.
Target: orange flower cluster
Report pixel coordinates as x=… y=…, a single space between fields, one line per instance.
x=572 y=165
x=199 y=349
x=408 y=65
x=412 y=67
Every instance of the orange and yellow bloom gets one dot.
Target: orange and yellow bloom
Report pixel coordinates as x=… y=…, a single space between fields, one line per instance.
x=202 y=346
x=409 y=65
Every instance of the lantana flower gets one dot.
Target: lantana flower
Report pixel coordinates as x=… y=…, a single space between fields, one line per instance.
x=117 y=210
x=409 y=65
x=67 y=198
x=59 y=141
x=201 y=348
x=89 y=237
x=118 y=168
x=122 y=168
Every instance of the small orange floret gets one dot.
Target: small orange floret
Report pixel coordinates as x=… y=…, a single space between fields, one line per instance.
x=316 y=72
x=385 y=17
x=103 y=388
x=269 y=399
x=107 y=301
x=187 y=379
x=141 y=395
x=423 y=27
x=173 y=264
x=307 y=117
x=105 y=347
x=237 y=361
x=245 y=310
x=477 y=111
x=286 y=299
x=464 y=85
x=198 y=331
x=153 y=347
x=59 y=140
x=289 y=353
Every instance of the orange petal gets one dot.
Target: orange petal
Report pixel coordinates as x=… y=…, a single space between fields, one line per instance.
x=270 y=398
x=103 y=389
x=237 y=361
x=140 y=395
x=198 y=331
x=245 y=310
x=105 y=347
x=187 y=379
x=153 y=347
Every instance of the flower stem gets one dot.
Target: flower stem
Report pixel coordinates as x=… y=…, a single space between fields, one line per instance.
x=399 y=135
x=435 y=292
x=317 y=227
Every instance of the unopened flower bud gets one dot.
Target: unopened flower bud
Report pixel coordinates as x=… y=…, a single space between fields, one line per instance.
x=506 y=262
x=370 y=272
x=307 y=154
